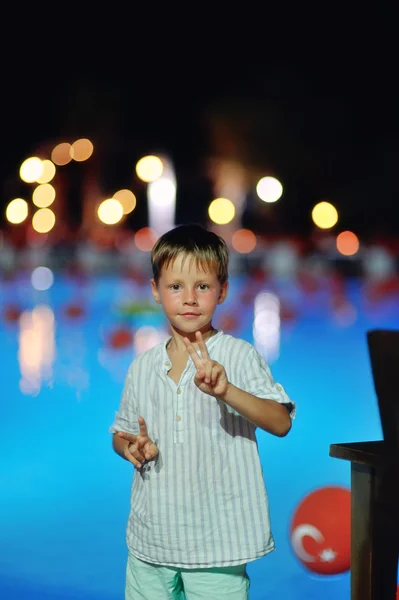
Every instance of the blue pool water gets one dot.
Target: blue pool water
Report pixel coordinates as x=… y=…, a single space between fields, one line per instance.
x=64 y=494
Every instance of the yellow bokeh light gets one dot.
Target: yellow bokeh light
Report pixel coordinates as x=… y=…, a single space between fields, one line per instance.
x=17 y=211
x=149 y=168
x=324 y=215
x=48 y=172
x=61 y=154
x=269 y=189
x=127 y=200
x=110 y=211
x=31 y=169
x=221 y=211
x=347 y=243
x=43 y=195
x=43 y=220
x=81 y=150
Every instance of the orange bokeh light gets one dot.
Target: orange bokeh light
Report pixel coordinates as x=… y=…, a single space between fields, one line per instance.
x=347 y=243
x=145 y=238
x=243 y=241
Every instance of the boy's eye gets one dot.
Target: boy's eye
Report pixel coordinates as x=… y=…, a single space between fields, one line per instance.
x=175 y=286
x=203 y=286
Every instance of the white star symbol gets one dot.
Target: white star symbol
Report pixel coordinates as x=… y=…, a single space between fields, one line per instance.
x=327 y=555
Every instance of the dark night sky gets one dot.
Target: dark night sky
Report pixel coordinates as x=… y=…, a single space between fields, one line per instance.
x=314 y=99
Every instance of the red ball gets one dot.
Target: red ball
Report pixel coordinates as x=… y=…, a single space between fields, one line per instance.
x=320 y=530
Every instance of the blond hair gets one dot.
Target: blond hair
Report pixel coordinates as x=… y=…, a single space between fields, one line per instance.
x=208 y=249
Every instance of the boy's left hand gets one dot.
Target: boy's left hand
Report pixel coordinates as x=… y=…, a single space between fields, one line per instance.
x=210 y=377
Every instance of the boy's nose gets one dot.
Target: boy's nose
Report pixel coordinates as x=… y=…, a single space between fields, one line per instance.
x=190 y=297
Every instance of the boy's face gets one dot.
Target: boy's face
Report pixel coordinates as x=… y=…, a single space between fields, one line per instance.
x=189 y=294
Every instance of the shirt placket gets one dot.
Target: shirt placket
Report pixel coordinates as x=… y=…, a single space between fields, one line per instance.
x=179 y=401
x=179 y=414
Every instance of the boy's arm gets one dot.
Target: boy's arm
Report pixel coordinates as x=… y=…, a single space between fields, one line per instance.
x=126 y=419
x=269 y=415
x=269 y=412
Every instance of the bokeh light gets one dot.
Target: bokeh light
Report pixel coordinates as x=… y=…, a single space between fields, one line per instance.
x=110 y=211
x=145 y=238
x=127 y=200
x=147 y=337
x=149 y=168
x=17 y=211
x=221 y=211
x=324 y=215
x=81 y=150
x=43 y=220
x=42 y=278
x=43 y=195
x=269 y=189
x=162 y=192
x=161 y=199
x=31 y=169
x=243 y=241
x=36 y=348
x=378 y=263
x=48 y=172
x=266 y=325
x=61 y=154
x=347 y=243
x=282 y=259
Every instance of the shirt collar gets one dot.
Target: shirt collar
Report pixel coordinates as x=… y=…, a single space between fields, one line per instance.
x=210 y=343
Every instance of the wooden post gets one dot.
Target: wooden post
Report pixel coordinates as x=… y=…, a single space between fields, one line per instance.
x=374 y=519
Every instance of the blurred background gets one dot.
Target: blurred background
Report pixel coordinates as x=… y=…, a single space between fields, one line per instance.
x=277 y=131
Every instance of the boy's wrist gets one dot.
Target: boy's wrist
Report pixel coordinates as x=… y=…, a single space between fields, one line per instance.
x=225 y=396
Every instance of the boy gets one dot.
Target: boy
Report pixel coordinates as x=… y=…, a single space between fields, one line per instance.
x=187 y=420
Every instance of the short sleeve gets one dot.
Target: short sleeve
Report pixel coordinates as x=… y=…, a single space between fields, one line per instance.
x=127 y=415
x=259 y=381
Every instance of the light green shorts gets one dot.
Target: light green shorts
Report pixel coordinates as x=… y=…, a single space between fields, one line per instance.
x=146 y=581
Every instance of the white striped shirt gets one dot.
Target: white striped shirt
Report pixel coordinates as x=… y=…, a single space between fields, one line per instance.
x=202 y=502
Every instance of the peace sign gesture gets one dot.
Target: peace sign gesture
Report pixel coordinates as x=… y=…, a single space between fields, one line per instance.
x=140 y=447
x=210 y=377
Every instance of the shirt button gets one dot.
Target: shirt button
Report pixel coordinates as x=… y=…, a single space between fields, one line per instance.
x=167 y=363
x=178 y=418
x=179 y=391
x=279 y=387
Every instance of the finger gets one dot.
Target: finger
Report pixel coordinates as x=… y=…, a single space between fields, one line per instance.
x=131 y=458
x=136 y=453
x=150 y=450
x=127 y=436
x=202 y=345
x=208 y=371
x=216 y=370
x=143 y=427
x=193 y=353
x=200 y=374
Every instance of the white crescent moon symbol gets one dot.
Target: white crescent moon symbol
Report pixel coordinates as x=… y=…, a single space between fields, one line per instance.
x=297 y=536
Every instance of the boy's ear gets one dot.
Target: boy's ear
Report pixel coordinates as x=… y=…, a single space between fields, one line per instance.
x=154 y=291
x=223 y=292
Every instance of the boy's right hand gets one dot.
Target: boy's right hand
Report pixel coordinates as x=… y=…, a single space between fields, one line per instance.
x=140 y=447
